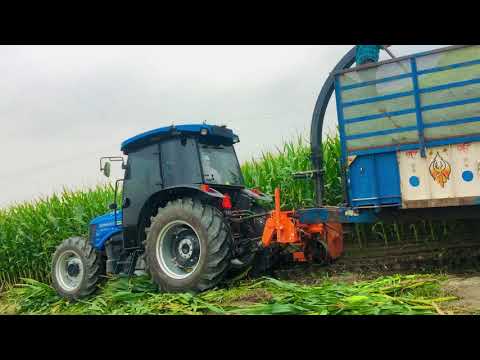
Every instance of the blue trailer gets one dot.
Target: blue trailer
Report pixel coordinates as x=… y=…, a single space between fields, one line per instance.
x=410 y=137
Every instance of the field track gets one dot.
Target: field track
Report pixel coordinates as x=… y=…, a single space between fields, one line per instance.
x=409 y=258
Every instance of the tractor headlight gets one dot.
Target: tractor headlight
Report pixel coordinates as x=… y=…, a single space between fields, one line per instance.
x=203 y=132
x=235 y=139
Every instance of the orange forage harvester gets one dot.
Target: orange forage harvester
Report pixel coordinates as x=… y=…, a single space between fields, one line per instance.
x=283 y=228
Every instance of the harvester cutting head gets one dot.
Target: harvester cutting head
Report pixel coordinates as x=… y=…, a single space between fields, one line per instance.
x=313 y=242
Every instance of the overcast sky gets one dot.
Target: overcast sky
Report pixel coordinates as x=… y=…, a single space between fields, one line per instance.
x=63 y=107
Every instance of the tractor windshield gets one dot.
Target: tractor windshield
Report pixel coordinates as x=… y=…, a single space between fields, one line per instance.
x=220 y=165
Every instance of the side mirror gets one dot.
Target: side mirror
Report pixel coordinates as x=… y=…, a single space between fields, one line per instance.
x=106 y=169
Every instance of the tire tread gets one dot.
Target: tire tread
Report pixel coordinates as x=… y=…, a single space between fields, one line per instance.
x=219 y=243
x=94 y=267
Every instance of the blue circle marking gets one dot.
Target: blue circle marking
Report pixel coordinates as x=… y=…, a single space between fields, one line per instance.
x=467 y=176
x=414 y=181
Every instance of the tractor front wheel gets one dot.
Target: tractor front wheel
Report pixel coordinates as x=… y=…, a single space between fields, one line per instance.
x=77 y=268
x=188 y=246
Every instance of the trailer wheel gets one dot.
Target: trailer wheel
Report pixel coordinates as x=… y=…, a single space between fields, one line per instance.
x=188 y=246
x=77 y=269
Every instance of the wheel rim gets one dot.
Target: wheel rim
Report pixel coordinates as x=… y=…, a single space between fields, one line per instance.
x=178 y=249
x=69 y=270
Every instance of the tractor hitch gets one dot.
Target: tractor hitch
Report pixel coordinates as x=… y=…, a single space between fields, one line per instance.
x=283 y=228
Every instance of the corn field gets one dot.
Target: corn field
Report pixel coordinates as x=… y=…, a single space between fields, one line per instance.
x=275 y=170
x=29 y=232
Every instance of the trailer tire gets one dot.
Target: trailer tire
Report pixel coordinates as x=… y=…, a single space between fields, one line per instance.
x=77 y=269
x=187 y=235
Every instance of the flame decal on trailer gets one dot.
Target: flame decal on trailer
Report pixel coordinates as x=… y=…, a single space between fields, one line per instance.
x=440 y=170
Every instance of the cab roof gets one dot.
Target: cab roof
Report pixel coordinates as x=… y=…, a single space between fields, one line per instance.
x=214 y=134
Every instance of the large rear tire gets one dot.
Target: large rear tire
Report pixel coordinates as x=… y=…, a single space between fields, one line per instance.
x=77 y=269
x=188 y=247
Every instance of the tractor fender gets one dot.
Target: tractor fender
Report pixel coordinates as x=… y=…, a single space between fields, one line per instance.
x=182 y=190
x=162 y=197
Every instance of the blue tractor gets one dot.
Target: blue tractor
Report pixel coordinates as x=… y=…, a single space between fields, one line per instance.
x=186 y=217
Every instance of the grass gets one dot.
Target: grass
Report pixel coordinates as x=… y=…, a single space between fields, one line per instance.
x=399 y=294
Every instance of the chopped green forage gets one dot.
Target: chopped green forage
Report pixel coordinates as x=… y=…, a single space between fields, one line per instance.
x=409 y=295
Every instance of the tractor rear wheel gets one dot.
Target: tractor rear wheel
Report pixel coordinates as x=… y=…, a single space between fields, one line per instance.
x=188 y=246
x=77 y=268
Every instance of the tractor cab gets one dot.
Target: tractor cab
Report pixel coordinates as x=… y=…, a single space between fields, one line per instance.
x=187 y=154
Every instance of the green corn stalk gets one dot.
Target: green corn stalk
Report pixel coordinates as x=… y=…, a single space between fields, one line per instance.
x=30 y=232
x=381 y=234
x=413 y=227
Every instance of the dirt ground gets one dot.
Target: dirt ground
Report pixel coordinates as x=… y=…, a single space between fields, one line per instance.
x=467 y=289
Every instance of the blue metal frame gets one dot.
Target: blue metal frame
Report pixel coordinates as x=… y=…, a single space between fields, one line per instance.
x=379 y=116
x=381 y=132
x=385 y=149
x=452 y=122
x=450 y=104
x=378 y=98
x=453 y=140
x=418 y=109
x=446 y=67
x=338 y=214
x=449 y=85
